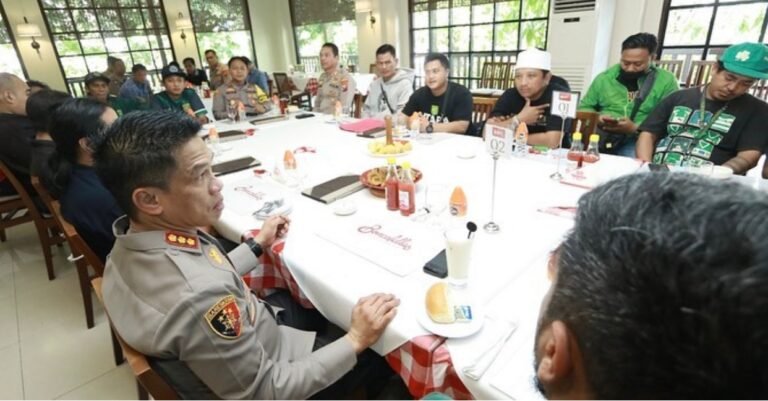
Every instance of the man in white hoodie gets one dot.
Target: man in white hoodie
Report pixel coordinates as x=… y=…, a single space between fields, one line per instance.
x=390 y=91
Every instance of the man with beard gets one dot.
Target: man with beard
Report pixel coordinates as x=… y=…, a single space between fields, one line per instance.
x=626 y=93
x=719 y=122
x=673 y=306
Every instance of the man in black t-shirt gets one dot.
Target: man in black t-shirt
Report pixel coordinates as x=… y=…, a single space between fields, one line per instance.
x=529 y=100
x=16 y=131
x=443 y=106
x=719 y=122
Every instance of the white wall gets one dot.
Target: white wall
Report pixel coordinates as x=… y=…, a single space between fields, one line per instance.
x=42 y=66
x=182 y=48
x=392 y=21
x=633 y=16
x=272 y=34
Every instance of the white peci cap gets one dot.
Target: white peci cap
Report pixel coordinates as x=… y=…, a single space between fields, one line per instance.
x=534 y=58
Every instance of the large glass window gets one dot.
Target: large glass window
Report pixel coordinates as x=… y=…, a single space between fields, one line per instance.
x=224 y=26
x=471 y=32
x=9 y=58
x=319 y=21
x=702 y=29
x=85 y=32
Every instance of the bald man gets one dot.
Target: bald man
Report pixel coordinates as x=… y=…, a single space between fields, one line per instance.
x=16 y=131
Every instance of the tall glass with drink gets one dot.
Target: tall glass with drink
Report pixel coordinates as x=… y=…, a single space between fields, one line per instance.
x=458 y=253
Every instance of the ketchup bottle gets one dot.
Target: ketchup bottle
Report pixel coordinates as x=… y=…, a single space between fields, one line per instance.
x=407 y=192
x=391 y=186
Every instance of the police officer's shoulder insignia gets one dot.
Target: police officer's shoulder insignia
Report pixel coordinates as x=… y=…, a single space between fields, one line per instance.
x=182 y=240
x=214 y=256
x=224 y=318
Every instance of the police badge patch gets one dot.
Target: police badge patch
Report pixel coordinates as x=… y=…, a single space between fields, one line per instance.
x=224 y=318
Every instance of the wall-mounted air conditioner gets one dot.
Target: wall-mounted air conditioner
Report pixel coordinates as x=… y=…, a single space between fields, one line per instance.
x=580 y=39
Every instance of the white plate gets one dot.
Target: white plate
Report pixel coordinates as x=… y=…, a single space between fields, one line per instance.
x=386 y=155
x=453 y=330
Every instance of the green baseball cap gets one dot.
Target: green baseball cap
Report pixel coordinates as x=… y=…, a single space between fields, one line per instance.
x=748 y=59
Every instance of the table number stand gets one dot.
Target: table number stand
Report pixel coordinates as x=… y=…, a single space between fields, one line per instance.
x=498 y=142
x=564 y=104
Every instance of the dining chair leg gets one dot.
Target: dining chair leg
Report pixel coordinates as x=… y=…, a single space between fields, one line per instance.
x=85 y=290
x=2 y=236
x=116 y=350
x=143 y=395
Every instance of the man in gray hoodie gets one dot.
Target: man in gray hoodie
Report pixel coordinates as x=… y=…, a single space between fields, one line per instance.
x=390 y=91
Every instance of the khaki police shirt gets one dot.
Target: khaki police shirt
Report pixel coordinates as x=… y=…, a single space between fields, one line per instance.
x=175 y=295
x=254 y=100
x=332 y=87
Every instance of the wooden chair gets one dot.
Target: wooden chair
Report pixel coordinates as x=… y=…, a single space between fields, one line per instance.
x=589 y=121
x=11 y=208
x=148 y=381
x=76 y=256
x=700 y=73
x=673 y=66
x=47 y=228
x=760 y=90
x=496 y=75
x=482 y=106
x=301 y=98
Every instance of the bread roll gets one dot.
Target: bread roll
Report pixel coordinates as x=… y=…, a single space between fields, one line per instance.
x=440 y=304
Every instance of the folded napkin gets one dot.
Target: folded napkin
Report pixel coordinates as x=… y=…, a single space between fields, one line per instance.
x=477 y=369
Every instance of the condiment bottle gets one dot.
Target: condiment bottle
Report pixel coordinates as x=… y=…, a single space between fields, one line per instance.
x=593 y=154
x=458 y=202
x=289 y=161
x=391 y=186
x=406 y=191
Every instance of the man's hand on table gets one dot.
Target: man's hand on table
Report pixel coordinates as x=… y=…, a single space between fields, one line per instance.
x=370 y=317
x=273 y=228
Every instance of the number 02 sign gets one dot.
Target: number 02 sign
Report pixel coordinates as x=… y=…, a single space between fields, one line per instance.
x=499 y=140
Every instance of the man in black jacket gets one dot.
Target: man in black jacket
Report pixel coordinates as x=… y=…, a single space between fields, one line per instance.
x=16 y=131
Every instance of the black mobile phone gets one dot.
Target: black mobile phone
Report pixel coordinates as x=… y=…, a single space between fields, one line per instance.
x=438 y=266
x=304 y=115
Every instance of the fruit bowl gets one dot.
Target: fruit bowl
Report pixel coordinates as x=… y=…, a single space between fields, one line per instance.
x=398 y=148
x=373 y=179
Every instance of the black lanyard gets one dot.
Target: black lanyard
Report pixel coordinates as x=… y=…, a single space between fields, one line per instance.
x=703 y=128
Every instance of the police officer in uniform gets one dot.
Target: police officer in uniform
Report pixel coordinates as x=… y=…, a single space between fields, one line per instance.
x=238 y=92
x=173 y=293
x=335 y=84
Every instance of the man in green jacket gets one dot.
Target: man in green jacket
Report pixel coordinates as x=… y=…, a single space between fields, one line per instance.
x=613 y=93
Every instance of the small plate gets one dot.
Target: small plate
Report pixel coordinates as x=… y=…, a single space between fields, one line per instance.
x=453 y=330
x=378 y=190
x=344 y=208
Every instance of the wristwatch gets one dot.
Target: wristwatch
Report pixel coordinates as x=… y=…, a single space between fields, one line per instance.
x=430 y=128
x=255 y=247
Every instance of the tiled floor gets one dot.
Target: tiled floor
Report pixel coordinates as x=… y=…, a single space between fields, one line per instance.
x=46 y=351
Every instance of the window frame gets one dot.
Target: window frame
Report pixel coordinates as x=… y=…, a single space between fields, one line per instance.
x=123 y=31
x=707 y=47
x=247 y=17
x=296 y=47
x=469 y=80
x=15 y=44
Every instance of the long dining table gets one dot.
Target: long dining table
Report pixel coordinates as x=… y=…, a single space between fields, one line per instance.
x=330 y=258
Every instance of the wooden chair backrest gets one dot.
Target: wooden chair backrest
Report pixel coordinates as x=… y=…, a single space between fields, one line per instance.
x=482 y=106
x=589 y=121
x=148 y=378
x=673 y=66
x=496 y=75
x=25 y=196
x=700 y=73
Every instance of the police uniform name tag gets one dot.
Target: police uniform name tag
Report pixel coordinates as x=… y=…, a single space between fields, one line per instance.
x=499 y=140
x=564 y=104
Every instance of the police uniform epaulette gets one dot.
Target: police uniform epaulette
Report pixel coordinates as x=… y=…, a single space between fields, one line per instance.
x=182 y=241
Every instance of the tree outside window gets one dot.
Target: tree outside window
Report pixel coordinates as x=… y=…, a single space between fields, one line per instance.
x=319 y=21
x=703 y=29
x=472 y=32
x=224 y=26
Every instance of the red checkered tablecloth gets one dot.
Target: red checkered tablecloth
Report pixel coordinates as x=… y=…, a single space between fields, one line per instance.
x=423 y=362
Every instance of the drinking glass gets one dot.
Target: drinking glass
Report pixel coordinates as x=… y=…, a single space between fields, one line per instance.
x=458 y=253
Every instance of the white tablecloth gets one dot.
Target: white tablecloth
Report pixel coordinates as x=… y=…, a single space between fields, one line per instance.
x=507 y=269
